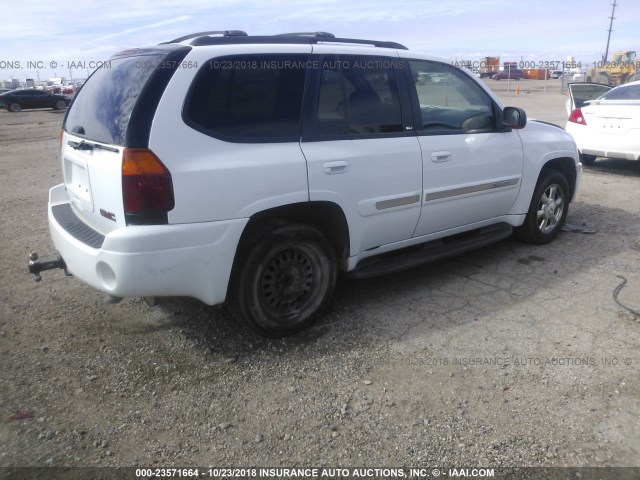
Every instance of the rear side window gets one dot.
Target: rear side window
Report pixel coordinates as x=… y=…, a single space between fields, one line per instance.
x=102 y=108
x=249 y=97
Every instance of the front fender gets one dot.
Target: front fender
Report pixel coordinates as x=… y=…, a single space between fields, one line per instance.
x=543 y=145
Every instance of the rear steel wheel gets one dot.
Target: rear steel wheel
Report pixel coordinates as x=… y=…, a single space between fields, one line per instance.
x=286 y=279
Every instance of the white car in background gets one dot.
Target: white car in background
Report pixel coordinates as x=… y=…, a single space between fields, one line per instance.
x=605 y=121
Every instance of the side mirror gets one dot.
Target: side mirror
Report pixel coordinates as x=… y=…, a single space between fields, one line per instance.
x=514 y=117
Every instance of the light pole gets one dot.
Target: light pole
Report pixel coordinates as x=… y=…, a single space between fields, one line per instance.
x=613 y=11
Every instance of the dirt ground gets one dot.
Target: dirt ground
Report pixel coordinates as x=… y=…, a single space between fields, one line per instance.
x=512 y=355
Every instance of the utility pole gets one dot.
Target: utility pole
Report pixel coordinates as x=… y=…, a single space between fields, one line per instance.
x=606 y=52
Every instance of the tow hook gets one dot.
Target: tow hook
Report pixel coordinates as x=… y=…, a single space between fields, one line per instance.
x=36 y=266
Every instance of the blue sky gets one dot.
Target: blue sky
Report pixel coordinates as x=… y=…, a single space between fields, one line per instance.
x=47 y=31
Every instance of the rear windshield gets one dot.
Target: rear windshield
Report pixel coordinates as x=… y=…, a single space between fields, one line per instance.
x=102 y=108
x=627 y=92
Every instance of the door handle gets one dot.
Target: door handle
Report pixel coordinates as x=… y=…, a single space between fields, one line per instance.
x=331 y=168
x=442 y=156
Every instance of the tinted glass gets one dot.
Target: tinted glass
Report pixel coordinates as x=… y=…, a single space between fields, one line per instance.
x=358 y=95
x=450 y=101
x=249 y=97
x=102 y=108
x=627 y=92
x=582 y=92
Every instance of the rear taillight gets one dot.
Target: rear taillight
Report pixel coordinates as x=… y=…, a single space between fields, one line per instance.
x=147 y=189
x=577 y=117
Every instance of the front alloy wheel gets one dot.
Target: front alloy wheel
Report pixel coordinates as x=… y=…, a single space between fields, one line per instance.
x=547 y=211
x=550 y=209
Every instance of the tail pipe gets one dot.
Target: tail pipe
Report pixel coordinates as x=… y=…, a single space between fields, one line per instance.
x=36 y=266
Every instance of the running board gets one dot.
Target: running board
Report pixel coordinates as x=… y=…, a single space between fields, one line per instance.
x=430 y=252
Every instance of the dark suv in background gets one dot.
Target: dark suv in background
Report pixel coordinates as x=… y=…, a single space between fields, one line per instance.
x=513 y=74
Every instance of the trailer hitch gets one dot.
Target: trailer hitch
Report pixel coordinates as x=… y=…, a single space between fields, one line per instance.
x=36 y=267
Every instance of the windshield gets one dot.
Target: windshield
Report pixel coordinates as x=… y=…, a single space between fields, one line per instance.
x=623 y=57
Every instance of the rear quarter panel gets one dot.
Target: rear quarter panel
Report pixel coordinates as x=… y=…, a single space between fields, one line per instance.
x=215 y=179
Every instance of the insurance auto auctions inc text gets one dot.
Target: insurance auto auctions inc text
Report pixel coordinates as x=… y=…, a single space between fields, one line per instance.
x=378 y=473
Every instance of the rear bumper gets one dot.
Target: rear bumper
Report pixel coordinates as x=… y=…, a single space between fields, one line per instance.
x=192 y=260
x=614 y=153
x=592 y=142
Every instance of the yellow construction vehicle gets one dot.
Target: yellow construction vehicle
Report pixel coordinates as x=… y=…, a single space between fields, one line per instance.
x=621 y=69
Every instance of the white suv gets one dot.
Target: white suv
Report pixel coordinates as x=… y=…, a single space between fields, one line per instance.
x=255 y=168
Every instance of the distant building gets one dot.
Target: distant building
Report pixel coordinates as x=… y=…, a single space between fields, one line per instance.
x=13 y=83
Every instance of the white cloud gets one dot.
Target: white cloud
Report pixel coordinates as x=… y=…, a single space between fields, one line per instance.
x=463 y=28
x=181 y=18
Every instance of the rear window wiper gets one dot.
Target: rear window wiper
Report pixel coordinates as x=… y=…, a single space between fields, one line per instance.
x=84 y=145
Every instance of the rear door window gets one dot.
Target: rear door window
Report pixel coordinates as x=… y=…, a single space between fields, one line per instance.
x=358 y=96
x=249 y=97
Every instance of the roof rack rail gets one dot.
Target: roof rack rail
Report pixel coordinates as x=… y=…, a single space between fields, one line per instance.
x=291 y=39
x=375 y=43
x=224 y=33
x=307 y=34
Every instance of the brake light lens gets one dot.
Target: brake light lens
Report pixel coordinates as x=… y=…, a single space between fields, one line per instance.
x=577 y=117
x=147 y=188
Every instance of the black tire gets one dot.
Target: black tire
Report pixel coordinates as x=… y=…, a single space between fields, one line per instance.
x=603 y=78
x=285 y=277
x=15 y=107
x=60 y=105
x=587 y=159
x=548 y=209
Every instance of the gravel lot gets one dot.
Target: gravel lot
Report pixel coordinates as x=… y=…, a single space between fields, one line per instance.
x=512 y=355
